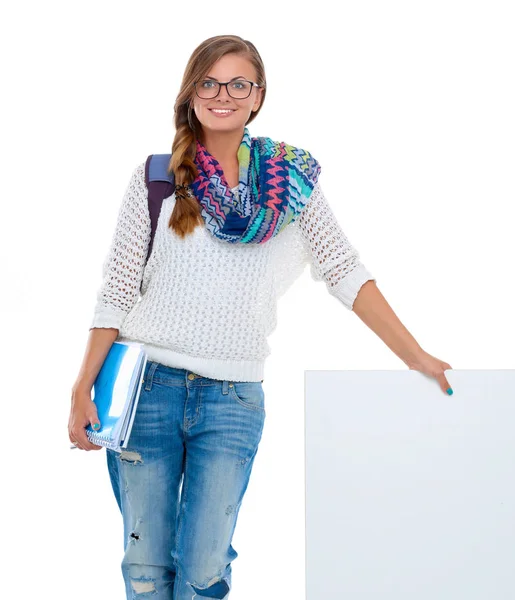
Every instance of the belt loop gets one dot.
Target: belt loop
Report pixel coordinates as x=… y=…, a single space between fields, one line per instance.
x=225 y=387
x=150 y=375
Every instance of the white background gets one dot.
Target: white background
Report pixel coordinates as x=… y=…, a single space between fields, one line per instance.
x=408 y=107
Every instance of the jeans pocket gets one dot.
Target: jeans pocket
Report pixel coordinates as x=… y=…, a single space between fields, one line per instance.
x=249 y=394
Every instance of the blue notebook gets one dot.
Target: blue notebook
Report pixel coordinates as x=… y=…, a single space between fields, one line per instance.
x=116 y=393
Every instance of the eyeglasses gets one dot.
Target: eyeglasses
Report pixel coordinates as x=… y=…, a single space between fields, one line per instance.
x=239 y=89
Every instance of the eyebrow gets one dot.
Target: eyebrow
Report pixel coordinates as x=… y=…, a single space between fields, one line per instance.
x=237 y=77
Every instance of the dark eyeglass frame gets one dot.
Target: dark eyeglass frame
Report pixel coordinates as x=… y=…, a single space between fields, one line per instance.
x=226 y=83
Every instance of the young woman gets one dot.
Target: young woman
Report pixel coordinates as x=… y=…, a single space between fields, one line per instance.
x=248 y=214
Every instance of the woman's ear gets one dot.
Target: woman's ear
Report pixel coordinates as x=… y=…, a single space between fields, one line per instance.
x=257 y=103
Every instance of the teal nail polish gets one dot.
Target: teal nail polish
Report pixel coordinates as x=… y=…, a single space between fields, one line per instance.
x=449 y=391
x=96 y=425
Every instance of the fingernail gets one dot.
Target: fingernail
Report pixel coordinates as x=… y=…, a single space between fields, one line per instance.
x=449 y=391
x=96 y=425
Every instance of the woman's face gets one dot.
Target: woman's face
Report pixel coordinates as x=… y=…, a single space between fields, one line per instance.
x=229 y=67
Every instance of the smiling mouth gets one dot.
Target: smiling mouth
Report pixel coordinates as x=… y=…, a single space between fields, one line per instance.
x=222 y=111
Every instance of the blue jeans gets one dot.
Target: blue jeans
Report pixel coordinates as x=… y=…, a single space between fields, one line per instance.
x=180 y=482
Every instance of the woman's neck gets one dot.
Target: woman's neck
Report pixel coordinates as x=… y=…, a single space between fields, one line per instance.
x=224 y=145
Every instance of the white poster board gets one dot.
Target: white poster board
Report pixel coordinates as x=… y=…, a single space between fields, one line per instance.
x=410 y=492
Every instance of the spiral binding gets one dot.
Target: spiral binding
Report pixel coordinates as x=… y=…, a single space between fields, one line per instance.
x=99 y=440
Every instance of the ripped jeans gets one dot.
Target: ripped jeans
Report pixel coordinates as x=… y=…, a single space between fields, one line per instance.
x=180 y=482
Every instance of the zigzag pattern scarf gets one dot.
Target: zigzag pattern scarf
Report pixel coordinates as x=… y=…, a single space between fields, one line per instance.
x=275 y=183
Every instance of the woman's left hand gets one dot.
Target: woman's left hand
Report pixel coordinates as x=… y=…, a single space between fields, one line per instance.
x=434 y=367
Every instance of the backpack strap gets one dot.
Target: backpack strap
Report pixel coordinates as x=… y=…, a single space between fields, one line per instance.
x=160 y=185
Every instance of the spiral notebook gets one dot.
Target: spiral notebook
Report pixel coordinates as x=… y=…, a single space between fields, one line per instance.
x=116 y=393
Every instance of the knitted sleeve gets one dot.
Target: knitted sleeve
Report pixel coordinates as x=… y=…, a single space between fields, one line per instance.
x=123 y=267
x=332 y=257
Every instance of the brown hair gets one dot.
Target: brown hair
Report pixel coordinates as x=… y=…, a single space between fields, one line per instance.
x=186 y=214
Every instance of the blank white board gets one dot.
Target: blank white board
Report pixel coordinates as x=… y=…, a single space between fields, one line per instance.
x=410 y=492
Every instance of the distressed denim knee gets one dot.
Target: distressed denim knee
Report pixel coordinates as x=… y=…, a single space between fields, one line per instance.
x=218 y=587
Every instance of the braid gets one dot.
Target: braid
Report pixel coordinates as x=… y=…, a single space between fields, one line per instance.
x=186 y=214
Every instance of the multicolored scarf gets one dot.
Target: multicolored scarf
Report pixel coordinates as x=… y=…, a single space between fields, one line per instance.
x=275 y=183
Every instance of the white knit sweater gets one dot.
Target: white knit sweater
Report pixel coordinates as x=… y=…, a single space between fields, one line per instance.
x=207 y=305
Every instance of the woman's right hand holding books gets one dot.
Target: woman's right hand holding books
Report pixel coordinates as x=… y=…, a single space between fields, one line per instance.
x=83 y=412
